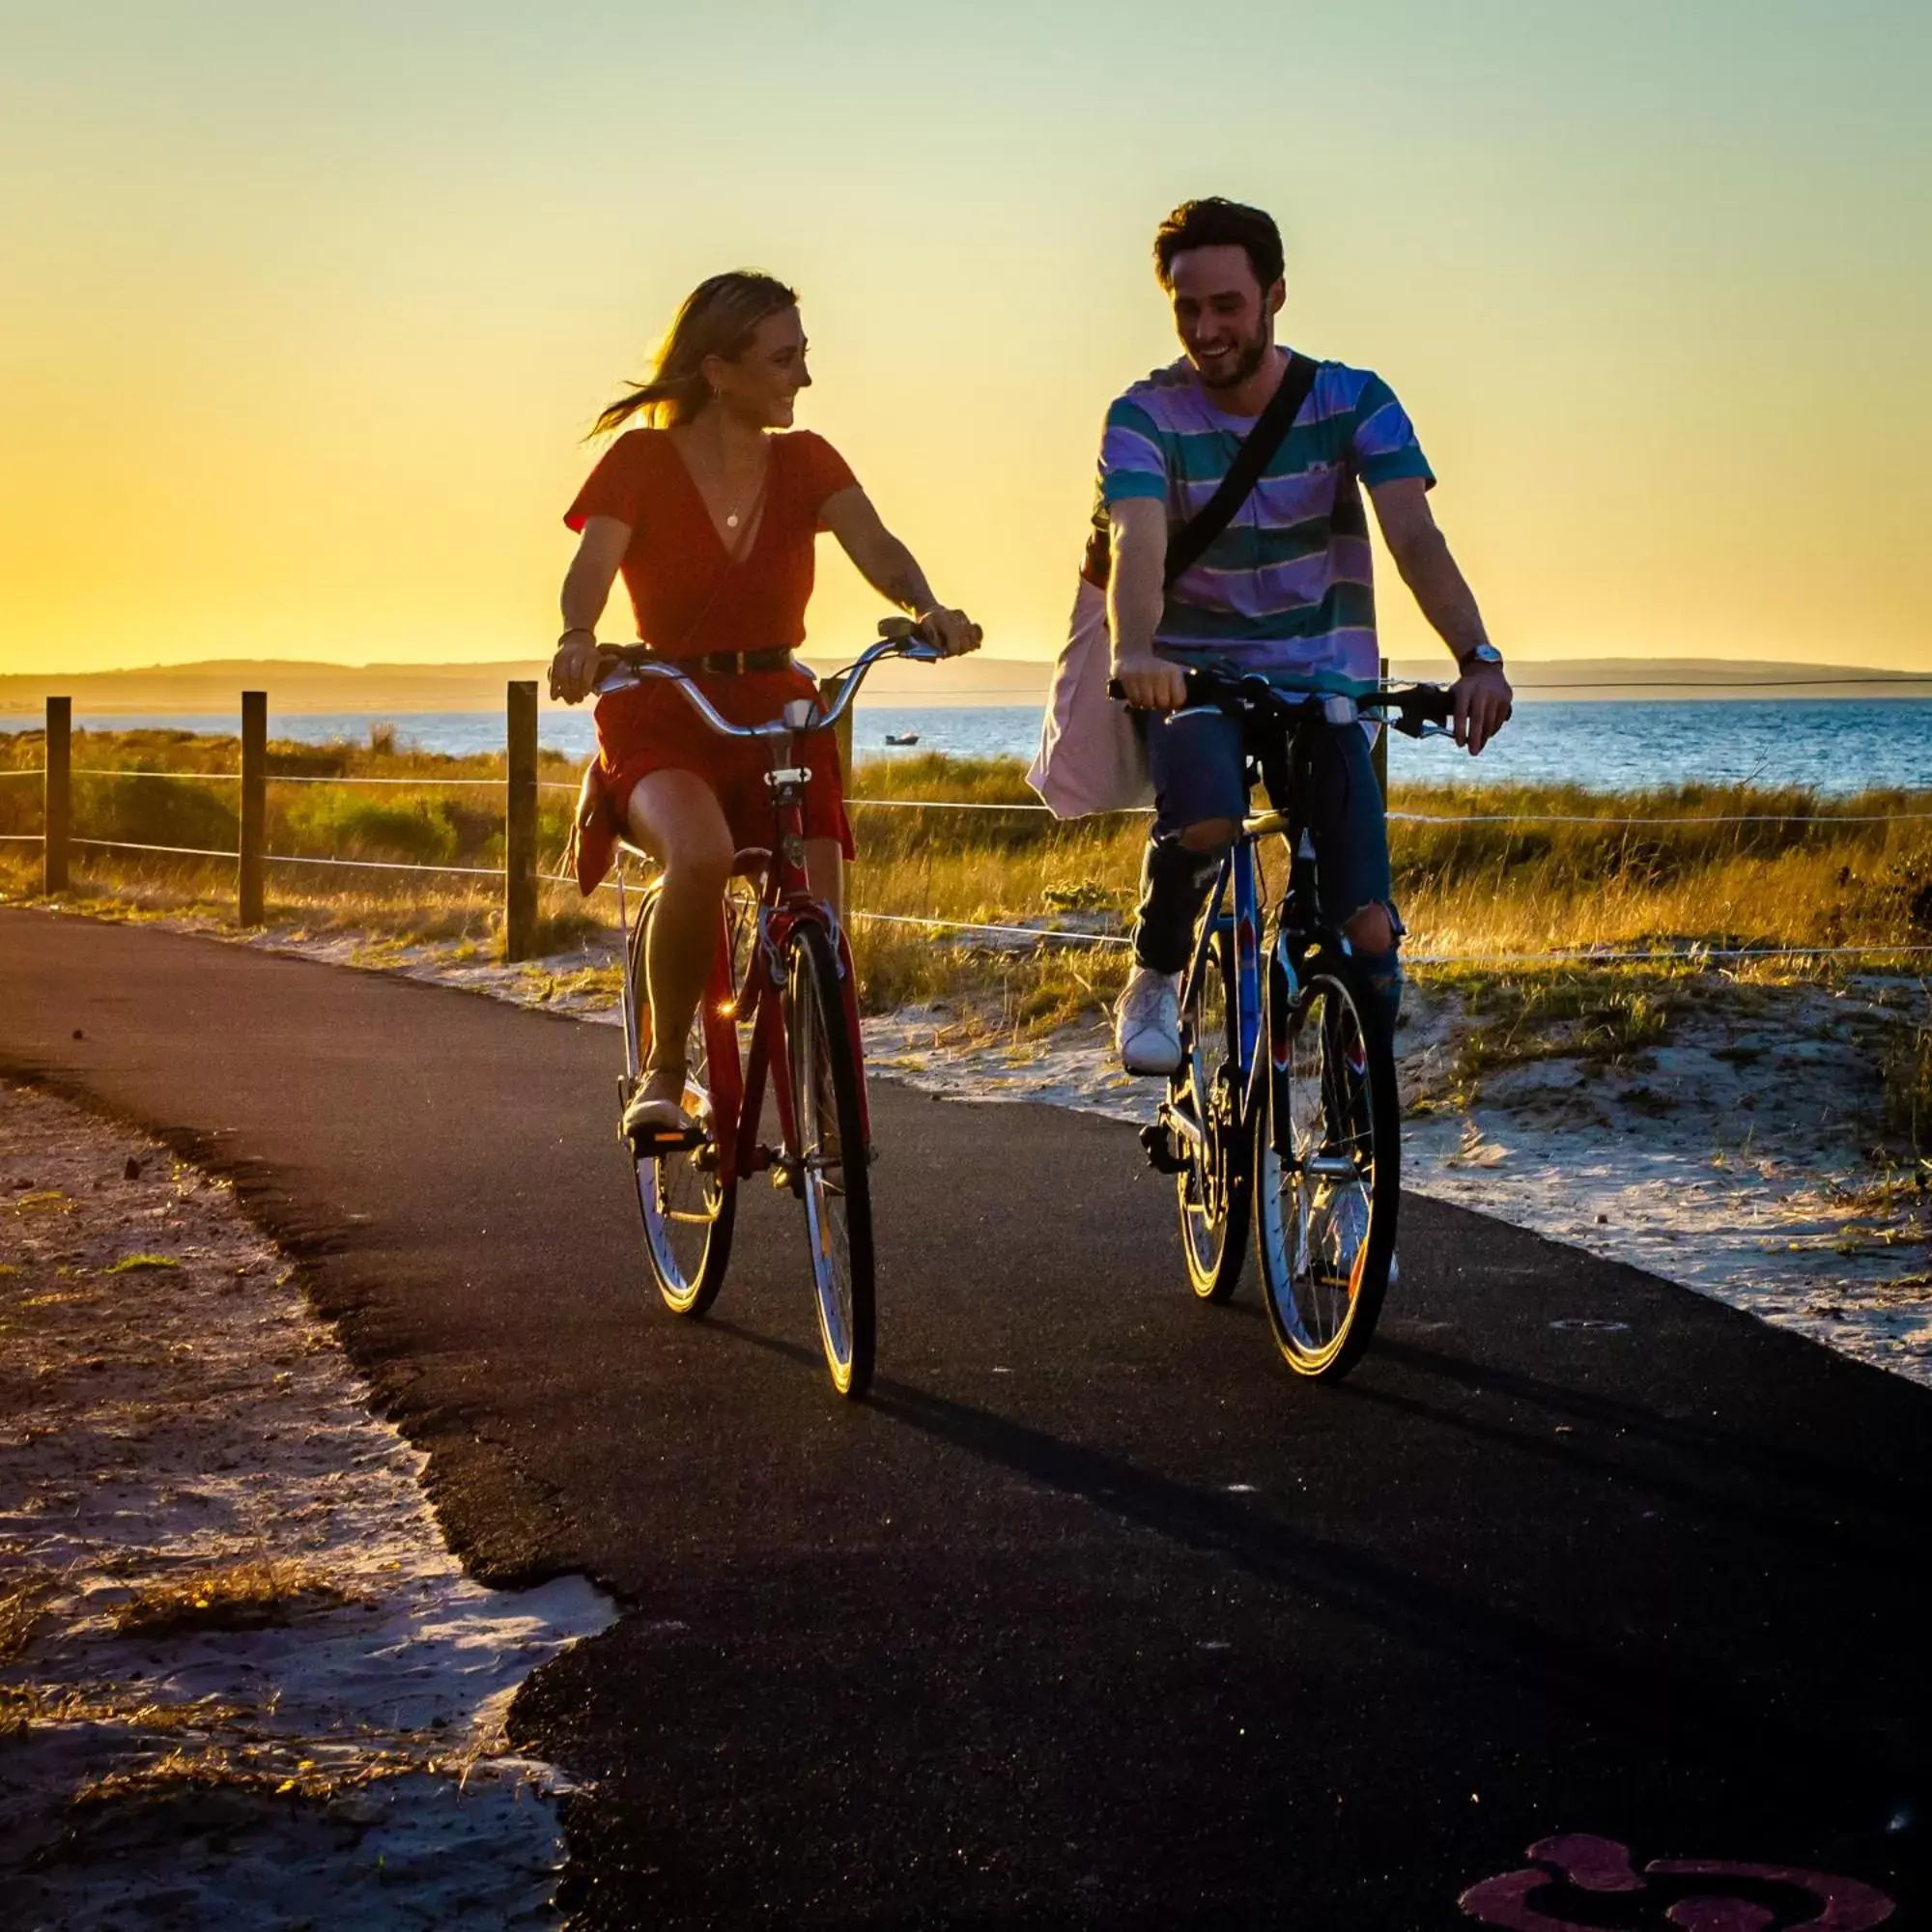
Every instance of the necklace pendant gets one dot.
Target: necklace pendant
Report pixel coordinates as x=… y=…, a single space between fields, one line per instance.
x=731 y=522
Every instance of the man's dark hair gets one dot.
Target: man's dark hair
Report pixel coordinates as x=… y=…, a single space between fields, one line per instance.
x=1215 y=222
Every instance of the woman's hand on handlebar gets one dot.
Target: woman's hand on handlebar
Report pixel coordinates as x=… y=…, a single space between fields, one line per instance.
x=953 y=631
x=574 y=668
x=1151 y=682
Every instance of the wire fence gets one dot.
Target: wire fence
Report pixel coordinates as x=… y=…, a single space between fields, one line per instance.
x=1011 y=934
x=357 y=779
x=1689 y=955
x=178 y=778
x=1037 y=693
x=1823 y=817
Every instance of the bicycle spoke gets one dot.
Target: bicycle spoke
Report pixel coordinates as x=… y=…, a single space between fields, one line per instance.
x=831 y=1157
x=687 y=1210
x=1210 y=1187
x=1326 y=1203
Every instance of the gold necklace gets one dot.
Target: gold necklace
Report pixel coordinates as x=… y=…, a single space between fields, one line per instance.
x=731 y=516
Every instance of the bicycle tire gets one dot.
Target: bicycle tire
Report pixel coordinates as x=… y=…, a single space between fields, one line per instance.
x=1212 y=1186
x=687 y=1207
x=1324 y=1290
x=836 y=1188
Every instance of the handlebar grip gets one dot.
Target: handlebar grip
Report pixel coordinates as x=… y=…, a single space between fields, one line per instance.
x=896 y=630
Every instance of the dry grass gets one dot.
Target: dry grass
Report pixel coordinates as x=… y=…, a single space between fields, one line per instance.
x=263 y=1769
x=1788 y=869
x=42 y=1201
x=436 y=823
x=1605 y=1019
x=1803 y=873
x=136 y=1263
x=23 y=1706
x=1908 y=1085
x=238 y=1595
x=22 y=1610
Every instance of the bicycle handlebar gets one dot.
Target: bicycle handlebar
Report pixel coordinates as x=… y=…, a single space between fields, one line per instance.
x=1412 y=709
x=898 y=639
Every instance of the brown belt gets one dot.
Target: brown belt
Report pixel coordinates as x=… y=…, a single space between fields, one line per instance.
x=721 y=664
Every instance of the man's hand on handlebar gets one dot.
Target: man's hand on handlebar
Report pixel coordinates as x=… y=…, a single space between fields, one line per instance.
x=576 y=667
x=953 y=631
x=1483 y=700
x=1151 y=682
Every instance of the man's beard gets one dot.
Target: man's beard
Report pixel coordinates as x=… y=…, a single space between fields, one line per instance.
x=1252 y=355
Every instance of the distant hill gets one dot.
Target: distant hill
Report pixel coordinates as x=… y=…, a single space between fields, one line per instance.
x=1682 y=679
x=212 y=688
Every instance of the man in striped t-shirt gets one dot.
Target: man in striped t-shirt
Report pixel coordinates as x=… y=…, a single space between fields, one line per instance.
x=1285 y=587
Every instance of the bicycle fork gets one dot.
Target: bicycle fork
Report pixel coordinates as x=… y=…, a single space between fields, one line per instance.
x=1179 y=1135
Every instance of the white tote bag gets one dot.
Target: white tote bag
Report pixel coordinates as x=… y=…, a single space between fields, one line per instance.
x=1090 y=757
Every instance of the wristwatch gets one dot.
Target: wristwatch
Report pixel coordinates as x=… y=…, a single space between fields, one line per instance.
x=1481 y=654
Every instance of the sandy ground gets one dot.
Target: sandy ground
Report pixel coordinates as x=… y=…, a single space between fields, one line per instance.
x=241 y=1679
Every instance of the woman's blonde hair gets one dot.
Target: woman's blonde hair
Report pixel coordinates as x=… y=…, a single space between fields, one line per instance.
x=718 y=317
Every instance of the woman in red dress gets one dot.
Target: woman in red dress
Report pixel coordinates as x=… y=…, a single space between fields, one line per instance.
x=711 y=518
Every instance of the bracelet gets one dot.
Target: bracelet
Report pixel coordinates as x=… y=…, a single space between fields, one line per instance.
x=577 y=631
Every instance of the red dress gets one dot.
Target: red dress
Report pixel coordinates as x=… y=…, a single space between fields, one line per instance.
x=692 y=601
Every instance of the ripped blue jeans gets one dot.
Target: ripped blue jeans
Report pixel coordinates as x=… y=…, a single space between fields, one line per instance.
x=1196 y=760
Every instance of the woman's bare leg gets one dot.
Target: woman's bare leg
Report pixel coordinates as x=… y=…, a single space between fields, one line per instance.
x=676 y=819
x=825 y=871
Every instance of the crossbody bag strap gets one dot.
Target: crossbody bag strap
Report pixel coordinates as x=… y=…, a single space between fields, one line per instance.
x=1187 y=546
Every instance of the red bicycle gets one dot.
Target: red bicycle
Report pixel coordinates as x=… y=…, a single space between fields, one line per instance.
x=780 y=1004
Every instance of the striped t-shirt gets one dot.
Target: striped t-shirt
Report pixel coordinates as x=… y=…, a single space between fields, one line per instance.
x=1287 y=586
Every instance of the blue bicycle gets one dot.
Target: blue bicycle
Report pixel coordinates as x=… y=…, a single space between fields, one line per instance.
x=1283 y=1116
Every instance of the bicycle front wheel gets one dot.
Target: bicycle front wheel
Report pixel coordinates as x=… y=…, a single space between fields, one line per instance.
x=1328 y=1167
x=688 y=1207
x=834 y=1172
x=1212 y=1187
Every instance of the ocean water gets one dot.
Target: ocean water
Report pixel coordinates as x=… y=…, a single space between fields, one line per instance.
x=1833 y=747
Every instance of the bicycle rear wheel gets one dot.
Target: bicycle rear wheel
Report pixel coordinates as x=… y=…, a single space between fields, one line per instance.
x=1212 y=1187
x=834 y=1158
x=1328 y=1166
x=688 y=1207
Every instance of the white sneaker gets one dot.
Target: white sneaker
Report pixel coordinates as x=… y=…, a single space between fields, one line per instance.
x=1147 y=1022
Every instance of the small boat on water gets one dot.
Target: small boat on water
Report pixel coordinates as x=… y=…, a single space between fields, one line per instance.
x=902 y=738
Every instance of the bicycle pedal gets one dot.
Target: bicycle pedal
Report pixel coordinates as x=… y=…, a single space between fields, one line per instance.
x=1160 y=1150
x=649 y=1143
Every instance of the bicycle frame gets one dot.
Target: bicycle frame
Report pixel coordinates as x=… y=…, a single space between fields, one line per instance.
x=1418 y=710
x=1256 y=930
x=785 y=899
x=1244 y=921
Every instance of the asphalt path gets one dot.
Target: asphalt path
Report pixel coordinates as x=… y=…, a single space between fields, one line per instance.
x=1094 y=1614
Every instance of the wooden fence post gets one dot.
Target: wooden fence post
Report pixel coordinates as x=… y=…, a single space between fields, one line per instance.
x=254 y=807
x=520 y=824
x=829 y=689
x=1381 y=753
x=57 y=808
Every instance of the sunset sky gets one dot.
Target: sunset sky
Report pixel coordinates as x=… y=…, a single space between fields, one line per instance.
x=305 y=308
